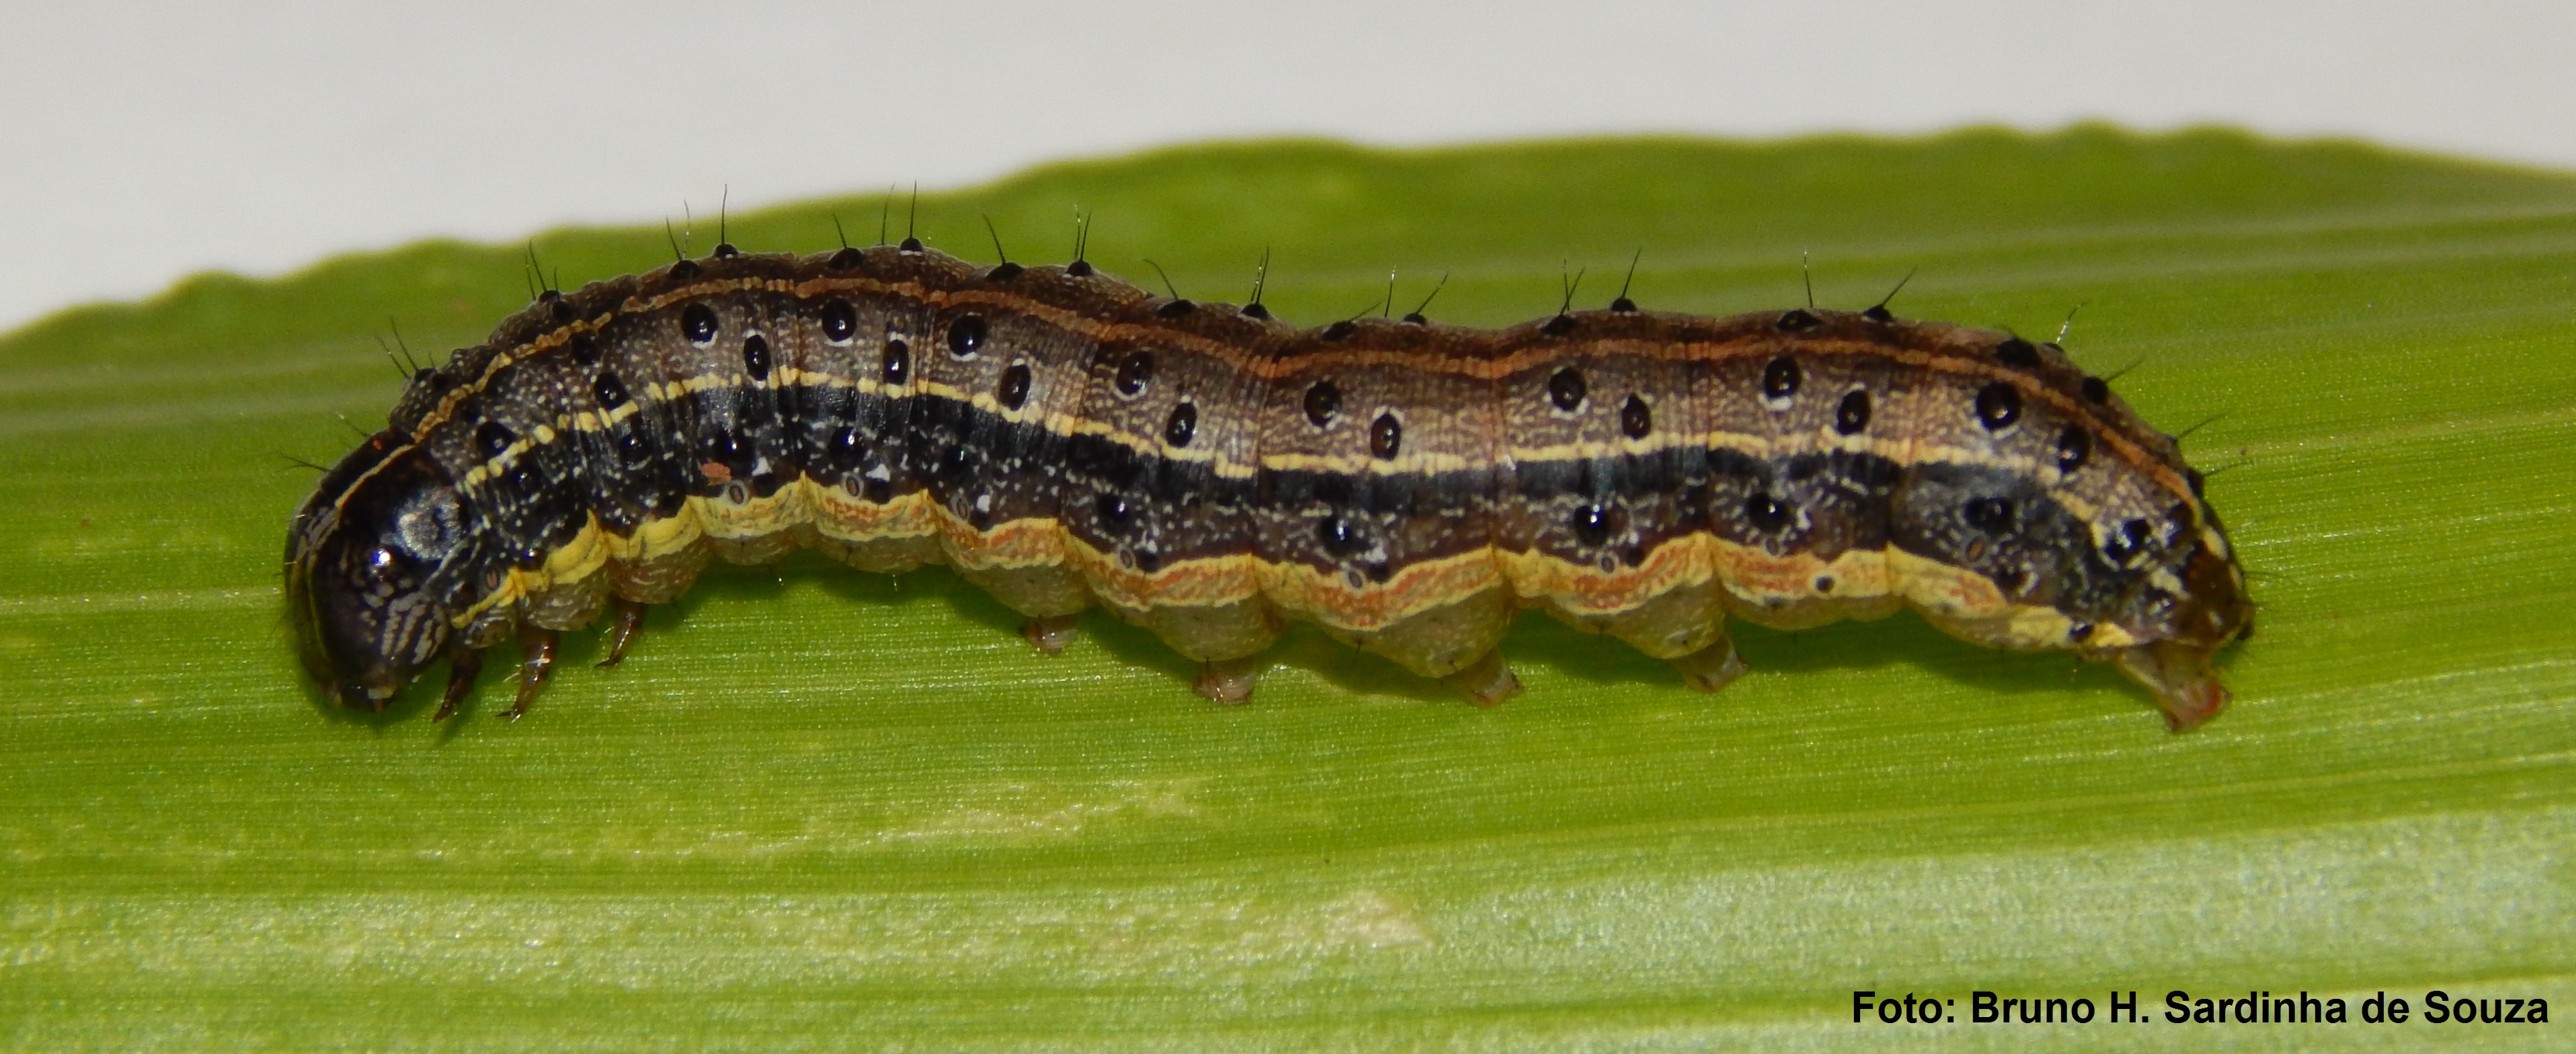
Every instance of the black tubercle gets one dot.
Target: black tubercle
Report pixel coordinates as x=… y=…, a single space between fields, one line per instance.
x=2097 y=390
x=1797 y=320
x=897 y=368
x=1015 y=386
x=1323 y=401
x=610 y=391
x=1183 y=425
x=1636 y=419
x=840 y=321
x=1558 y=326
x=1853 y=413
x=1175 y=309
x=966 y=335
x=1767 y=514
x=2073 y=446
x=755 y=357
x=1338 y=536
x=1386 y=436
x=2127 y=541
x=1591 y=524
x=1991 y=515
x=1998 y=406
x=698 y=324
x=1780 y=378
x=1566 y=389
x=1135 y=373
x=2018 y=353
x=491 y=438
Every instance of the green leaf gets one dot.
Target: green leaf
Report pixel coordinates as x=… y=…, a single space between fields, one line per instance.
x=819 y=808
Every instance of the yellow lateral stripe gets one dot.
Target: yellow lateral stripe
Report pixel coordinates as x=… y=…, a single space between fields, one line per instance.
x=1753 y=576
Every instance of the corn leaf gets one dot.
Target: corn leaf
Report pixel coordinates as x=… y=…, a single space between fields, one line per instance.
x=822 y=809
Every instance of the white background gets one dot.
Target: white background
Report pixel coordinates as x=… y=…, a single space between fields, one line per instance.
x=139 y=143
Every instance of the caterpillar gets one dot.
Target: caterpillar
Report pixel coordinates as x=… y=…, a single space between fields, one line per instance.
x=1064 y=439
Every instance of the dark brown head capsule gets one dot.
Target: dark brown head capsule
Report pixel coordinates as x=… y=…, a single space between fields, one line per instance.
x=375 y=559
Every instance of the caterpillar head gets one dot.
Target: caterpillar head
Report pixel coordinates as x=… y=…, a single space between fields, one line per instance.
x=2210 y=610
x=368 y=565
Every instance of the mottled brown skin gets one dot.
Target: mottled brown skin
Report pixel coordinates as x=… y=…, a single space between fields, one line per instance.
x=1066 y=440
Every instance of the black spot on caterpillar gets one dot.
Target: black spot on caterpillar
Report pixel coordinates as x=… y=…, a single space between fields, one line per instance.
x=1207 y=472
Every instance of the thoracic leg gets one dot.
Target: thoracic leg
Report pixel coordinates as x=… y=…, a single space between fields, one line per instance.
x=463 y=664
x=630 y=620
x=533 y=671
